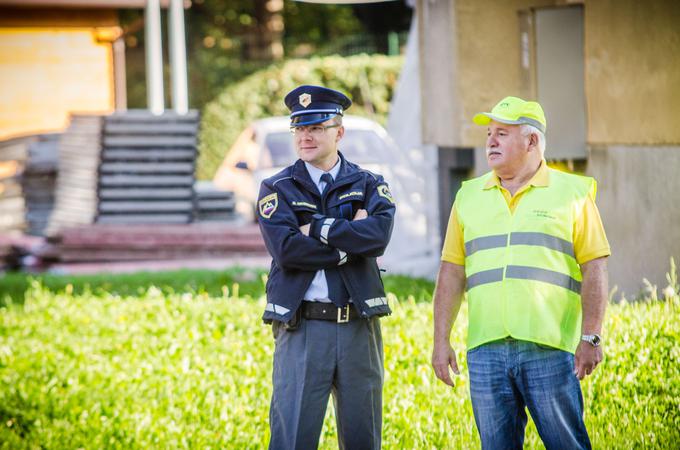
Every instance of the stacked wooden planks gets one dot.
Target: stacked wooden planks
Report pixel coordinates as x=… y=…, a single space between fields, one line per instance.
x=110 y=242
x=147 y=168
x=212 y=204
x=38 y=182
x=75 y=201
x=13 y=154
x=28 y=167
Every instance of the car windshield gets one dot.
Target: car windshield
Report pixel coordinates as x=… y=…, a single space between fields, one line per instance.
x=360 y=146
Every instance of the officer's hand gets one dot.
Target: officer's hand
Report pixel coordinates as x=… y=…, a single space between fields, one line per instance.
x=361 y=214
x=586 y=359
x=444 y=357
x=304 y=229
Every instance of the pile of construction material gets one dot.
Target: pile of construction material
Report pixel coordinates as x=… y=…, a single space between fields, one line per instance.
x=133 y=168
x=28 y=167
x=38 y=182
x=147 y=168
x=106 y=242
x=76 y=191
x=212 y=204
x=12 y=155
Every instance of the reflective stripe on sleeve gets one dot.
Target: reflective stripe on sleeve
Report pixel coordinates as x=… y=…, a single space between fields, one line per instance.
x=325 y=228
x=373 y=302
x=276 y=309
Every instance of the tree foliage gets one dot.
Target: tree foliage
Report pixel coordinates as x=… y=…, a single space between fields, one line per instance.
x=224 y=39
x=368 y=80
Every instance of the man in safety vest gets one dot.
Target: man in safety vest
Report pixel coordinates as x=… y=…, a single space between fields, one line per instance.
x=528 y=245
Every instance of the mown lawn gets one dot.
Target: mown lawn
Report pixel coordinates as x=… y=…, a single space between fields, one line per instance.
x=161 y=368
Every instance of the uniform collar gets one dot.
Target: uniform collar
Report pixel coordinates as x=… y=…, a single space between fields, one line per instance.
x=343 y=175
x=540 y=179
x=315 y=173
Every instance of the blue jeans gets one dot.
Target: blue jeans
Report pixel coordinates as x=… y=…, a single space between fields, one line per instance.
x=508 y=375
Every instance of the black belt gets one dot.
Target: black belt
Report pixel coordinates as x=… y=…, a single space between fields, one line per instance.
x=328 y=311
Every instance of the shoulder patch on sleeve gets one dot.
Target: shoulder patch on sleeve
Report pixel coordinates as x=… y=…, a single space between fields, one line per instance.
x=384 y=191
x=268 y=205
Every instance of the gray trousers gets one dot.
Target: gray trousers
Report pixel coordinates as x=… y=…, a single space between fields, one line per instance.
x=320 y=358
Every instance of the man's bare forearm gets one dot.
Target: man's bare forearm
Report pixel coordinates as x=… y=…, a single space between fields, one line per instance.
x=594 y=293
x=448 y=297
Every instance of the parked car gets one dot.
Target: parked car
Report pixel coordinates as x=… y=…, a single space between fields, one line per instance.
x=266 y=146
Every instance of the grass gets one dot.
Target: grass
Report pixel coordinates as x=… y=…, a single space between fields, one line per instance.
x=84 y=367
x=246 y=282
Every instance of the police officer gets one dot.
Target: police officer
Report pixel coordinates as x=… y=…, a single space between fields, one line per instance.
x=324 y=221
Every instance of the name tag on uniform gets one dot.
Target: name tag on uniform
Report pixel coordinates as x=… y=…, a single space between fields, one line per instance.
x=308 y=205
x=357 y=194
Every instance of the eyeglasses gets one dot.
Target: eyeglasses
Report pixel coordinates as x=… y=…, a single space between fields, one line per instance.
x=314 y=130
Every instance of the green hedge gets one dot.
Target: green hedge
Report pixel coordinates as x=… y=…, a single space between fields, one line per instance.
x=369 y=80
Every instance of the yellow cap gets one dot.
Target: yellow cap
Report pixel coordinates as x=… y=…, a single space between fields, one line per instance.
x=514 y=111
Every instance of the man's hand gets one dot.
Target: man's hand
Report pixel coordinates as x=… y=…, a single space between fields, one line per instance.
x=444 y=357
x=448 y=295
x=586 y=359
x=304 y=229
x=360 y=214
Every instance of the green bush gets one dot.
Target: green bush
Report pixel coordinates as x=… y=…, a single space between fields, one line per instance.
x=369 y=80
x=158 y=370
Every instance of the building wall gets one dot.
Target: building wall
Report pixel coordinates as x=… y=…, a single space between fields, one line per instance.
x=489 y=49
x=633 y=71
x=638 y=201
x=633 y=99
x=632 y=87
x=53 y=63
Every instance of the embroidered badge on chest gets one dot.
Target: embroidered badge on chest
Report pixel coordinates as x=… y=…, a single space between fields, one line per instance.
x=384 y=191
x=268 y=205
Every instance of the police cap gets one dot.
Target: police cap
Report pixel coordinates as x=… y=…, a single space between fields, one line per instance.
x=315 y=104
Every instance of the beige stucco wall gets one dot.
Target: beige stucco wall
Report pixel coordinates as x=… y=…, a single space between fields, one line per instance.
x=640 y=214
x=489 y=56
x=632 y=67
x=51 y=66
x=633 y=71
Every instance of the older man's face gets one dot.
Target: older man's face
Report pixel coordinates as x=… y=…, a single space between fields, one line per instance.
x=506 y=148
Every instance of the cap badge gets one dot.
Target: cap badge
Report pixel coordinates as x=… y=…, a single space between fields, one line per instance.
x=305 y=100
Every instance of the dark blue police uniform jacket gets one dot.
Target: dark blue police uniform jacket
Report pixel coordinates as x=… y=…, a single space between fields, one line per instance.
x=289 y=200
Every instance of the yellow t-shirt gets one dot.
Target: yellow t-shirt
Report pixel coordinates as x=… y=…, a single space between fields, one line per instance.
x=590 y=240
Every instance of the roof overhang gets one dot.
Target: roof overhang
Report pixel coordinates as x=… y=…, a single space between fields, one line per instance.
x=85 y=4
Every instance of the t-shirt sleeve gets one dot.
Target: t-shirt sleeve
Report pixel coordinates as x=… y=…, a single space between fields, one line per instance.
x=590 y=240
x=454 y=245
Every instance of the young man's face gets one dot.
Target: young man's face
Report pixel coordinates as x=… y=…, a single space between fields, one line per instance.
x=318 y=146
x=506 y=148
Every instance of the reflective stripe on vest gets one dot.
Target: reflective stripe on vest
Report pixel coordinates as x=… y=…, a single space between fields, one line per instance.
x=522 y=275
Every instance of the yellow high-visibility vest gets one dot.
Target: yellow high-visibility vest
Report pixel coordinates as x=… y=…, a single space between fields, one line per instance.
x=523 y=279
